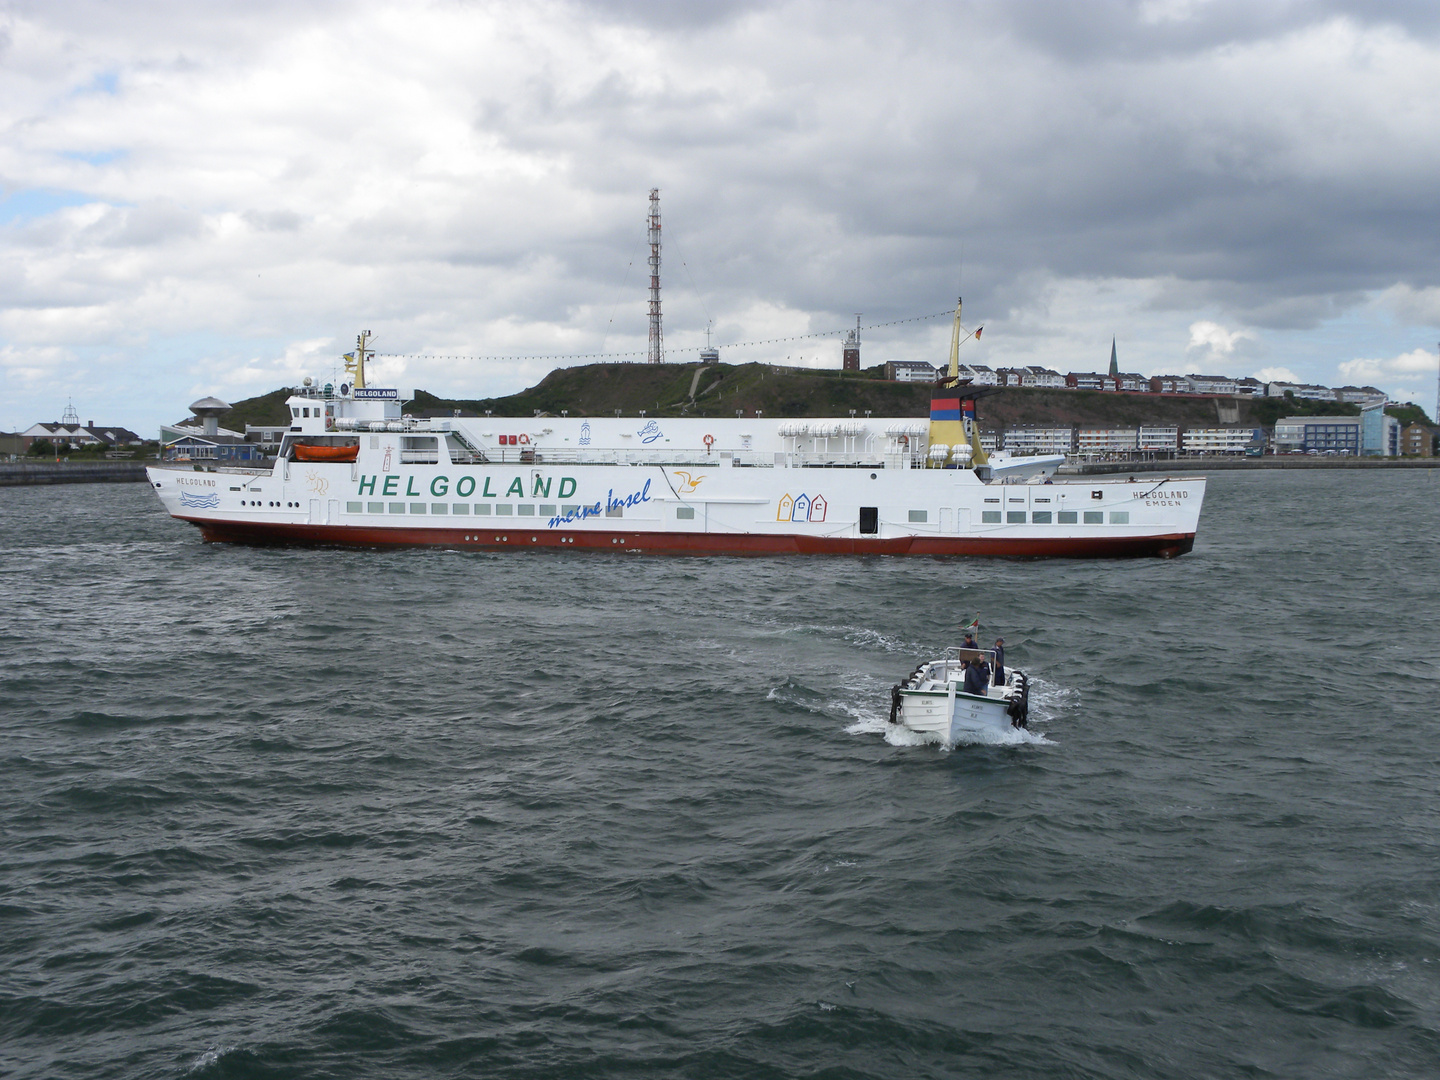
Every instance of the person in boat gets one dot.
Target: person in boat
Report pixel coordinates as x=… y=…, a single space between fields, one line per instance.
x=969 y=642
x=977 y=678
x=999 y=652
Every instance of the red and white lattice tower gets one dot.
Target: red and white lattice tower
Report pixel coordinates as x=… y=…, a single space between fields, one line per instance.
x=657 y=338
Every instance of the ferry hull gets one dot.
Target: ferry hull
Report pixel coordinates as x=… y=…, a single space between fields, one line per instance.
x=677 y=543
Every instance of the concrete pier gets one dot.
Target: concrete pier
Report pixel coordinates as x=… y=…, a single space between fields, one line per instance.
x=64 y=472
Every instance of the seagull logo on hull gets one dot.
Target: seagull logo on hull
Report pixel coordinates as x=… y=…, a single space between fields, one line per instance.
x=688 y=483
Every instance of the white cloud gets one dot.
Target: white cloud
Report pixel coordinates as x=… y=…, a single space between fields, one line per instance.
x=1416 y=306
x=1407 y=367
x=259 y=181
x=31 y=365
x=1213 y=339
x=1277 y=374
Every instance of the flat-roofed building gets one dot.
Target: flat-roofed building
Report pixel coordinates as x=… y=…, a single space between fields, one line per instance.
x=1317 y=434
x=1107 y=442
x=910 y=371
x=1358 y=395
x=200 y=447
x=1088 y=380
x=1210 y=384
x=1158 y=439
x=1039 y=440
x=1169 y=384
x=1379 y=431
x=1231 y=440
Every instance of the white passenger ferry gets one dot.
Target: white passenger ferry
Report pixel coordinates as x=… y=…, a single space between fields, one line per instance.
x=353 y=469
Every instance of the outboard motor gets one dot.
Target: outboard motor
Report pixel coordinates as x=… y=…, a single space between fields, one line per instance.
x=1019 y=709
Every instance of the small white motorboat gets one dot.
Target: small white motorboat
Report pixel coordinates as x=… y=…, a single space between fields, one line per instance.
x=932 y=699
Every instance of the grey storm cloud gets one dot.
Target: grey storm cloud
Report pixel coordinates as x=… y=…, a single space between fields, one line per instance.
x=472 y=176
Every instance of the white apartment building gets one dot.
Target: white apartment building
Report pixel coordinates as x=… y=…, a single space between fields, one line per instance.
x=1039 y=440
x=1106 y=441
x=1359 y=395
x=979 y=375
x=1153 y=439
x=1035 y=375
x=910 y=371
x=1210 y=384
x=1218 y=440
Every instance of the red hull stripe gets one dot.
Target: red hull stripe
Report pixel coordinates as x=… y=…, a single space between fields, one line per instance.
x=1087 y=547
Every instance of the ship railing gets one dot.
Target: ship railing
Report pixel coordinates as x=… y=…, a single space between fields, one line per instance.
x=756 y=459
x=468 y=457
x=565 y=455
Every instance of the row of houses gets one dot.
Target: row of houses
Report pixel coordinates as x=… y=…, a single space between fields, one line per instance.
x=1137 y=442
x=1373 y=433
x=1128 y=382
x=71 y=434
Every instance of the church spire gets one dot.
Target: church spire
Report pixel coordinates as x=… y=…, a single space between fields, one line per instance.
x=1114 y=365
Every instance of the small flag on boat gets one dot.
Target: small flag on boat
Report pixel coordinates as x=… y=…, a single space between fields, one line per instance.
x=972 y=625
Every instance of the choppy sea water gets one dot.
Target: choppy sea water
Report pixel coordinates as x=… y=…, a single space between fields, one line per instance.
x=321 y=813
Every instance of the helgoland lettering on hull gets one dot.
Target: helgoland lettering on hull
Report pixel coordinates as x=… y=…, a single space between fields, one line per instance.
x=745 y=486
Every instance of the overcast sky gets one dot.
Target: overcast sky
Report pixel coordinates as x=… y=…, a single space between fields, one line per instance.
x=214 y=198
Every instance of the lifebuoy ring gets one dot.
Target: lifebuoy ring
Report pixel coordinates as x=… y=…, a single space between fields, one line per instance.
x=524 y=438
x=709 y=442
x=905 y=440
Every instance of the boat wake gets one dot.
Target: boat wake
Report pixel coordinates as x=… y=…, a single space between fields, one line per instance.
x=855 y=708
x=896 y=735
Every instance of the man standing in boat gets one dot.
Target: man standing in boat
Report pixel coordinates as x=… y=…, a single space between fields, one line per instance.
x=999 y=651
x=976 y=681
x=969 y=640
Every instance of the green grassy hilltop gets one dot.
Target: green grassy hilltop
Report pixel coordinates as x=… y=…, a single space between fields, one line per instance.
x=720 y=389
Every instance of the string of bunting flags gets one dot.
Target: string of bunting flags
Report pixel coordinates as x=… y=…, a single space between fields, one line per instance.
x=682 y=349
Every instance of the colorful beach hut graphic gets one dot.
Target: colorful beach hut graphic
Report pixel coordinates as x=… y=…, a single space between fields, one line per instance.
x=801 y=508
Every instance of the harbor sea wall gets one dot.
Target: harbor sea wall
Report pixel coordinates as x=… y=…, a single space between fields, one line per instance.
x=63 y=472
x=1218 y=464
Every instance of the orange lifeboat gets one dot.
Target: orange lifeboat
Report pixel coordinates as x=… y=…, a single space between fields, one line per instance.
x=307 y=452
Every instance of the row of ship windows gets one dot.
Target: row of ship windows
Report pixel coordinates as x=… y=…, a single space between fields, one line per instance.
x=1058 y=517
x=481 y=509
x=687 y=513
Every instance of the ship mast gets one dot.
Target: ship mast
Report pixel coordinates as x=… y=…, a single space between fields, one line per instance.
x=955 y=345
x=355 y=361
